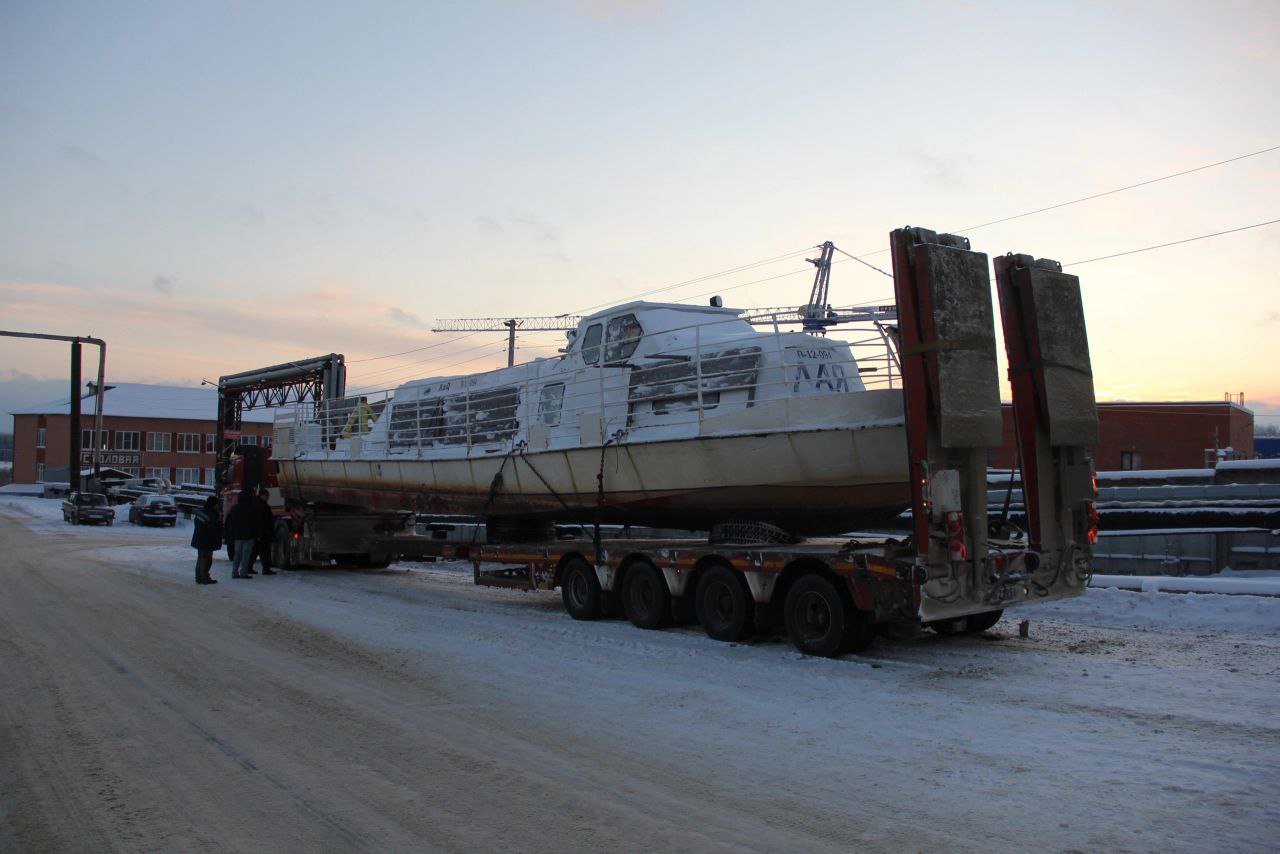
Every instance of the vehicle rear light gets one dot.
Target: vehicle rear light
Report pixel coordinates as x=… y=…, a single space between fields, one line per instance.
x=1092 y=508
x=955 y=535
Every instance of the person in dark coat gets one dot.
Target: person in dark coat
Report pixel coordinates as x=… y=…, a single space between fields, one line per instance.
x=206 y=538
x=242 y=529
x=266 y=528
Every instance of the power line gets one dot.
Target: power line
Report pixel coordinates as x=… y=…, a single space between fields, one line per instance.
x=407 y=352
x=864 y=263
x=859 y=258
x=1174 y=243
x=698 y=279
x=1088 y=198
x=1118 y=190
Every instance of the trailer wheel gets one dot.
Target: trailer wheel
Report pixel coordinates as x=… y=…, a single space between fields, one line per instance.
x=970 y=625
x=820 y=621
x=645 y=598
x=280 y=554
x=580 y=589
x=725 y=608
x=977 y=623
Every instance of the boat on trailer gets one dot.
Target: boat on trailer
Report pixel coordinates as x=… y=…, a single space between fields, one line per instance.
x=659 y=414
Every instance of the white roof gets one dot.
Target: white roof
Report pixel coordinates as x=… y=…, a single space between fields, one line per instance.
x=139 y=400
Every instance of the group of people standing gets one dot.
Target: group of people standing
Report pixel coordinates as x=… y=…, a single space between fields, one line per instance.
x=249 y=528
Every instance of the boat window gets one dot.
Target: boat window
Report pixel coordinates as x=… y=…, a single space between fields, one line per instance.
x=623 y=338
x=454 y=419
x=492 y=416
x=550 y=404
x=414 y=424
x=591 y=344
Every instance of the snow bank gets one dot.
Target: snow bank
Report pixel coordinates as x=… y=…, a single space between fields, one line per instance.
x=1156 y=609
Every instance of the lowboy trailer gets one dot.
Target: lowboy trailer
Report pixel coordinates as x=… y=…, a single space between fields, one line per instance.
x=957 y=569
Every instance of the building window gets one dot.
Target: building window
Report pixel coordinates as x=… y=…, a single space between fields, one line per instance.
x=86 y=440
x=248 y=440
x=208 y=477
x=188 y=443
x=210 y=443
x=185 y=476
x=1130 y=461
x=40 y=436
x=132 y=471
x=161 y=473
x=39 y=472
x=128 y=440
x=159 y=442
x=266 y=441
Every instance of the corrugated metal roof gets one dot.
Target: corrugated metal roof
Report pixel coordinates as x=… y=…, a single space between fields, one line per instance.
x=140 y=400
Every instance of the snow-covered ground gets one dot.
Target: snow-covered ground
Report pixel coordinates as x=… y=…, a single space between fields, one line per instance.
x=1126 y=720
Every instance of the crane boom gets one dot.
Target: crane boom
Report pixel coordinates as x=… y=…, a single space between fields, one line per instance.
x=554 y=323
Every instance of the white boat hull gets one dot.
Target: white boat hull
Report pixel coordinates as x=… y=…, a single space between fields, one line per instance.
x=804 y=480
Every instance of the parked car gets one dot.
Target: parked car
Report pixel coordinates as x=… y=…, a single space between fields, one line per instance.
x=83 y=508
x=153 y=510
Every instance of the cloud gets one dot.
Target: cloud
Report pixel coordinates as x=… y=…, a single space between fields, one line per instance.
x=620 y=10
x=529 y=225
x=541 y=231
x=945 y=172
x=164 y=285
x=83 y=158
x=408 y=318
x=1272 y=317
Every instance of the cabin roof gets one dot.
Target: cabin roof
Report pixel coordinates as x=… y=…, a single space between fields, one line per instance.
x=639 y=306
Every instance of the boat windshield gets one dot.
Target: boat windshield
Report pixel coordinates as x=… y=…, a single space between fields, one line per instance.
x=623 y=338
x=591 y=343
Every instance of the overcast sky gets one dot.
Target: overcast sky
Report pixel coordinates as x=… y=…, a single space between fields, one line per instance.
x=213 y=187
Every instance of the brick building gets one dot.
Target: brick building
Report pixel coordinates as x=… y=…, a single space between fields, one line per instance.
x=147 y=431
x=1149 y=436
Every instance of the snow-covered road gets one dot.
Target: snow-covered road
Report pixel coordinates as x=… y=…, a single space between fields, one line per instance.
x=406 y=709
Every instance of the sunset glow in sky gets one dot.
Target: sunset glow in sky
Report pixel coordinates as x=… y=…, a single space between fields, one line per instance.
x=214 y=187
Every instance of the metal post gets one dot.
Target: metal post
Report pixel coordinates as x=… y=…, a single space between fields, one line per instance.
x=73 y=449
x=97 y=412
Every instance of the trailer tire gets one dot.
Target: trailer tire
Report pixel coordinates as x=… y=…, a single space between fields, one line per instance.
x=978 y=623
x=282 y=555
x=724 y=605
x=645 y=598
x=970 y=625
x=580 y=589
x=820 y=621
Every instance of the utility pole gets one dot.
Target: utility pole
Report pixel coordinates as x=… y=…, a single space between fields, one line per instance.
x=511 y=340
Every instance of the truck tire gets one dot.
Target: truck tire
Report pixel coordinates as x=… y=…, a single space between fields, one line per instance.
x=580 y=589
x=724 y=605
x=645 y=598
x=821 y=621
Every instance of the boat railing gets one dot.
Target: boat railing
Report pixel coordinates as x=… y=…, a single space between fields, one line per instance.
x=706 y=372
